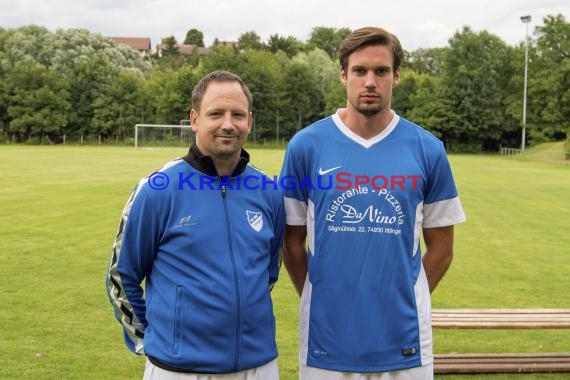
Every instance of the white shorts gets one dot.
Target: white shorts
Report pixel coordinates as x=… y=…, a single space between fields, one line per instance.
x=267 y=371
x=417 y=373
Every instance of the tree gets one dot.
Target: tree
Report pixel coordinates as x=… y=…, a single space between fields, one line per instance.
x=194 y=37
x=432 y=109
x=402 y=94
x=323 y=68
x=476 y=82
x=3 y=98
x=170 y=56
x=186 y=79
x=425 y=61
x=170 y=46
x=194 y=58
x=334 y=98
x=549 y=81
x=168 y=94
x=289 y=45
x=4 y=120
x=222 y=58
x=469 y=94
x=77 y=46
x=305 y=100
x=117 y=110
x=262 y=74
x=91 y=62
x=250 y=40
x=37 y=102
x=328 y=39
x=28 y=43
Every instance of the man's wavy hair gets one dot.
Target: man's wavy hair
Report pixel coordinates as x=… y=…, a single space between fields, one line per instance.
x=370 y=36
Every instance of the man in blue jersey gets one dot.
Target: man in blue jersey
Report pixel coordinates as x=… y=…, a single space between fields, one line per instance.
x=207 y=250
x=372 y=183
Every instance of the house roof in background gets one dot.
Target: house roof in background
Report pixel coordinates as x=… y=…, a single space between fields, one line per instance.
x=137 y=43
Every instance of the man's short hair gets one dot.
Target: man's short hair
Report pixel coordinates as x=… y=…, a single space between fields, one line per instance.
x=218 y=76
x=370 y=36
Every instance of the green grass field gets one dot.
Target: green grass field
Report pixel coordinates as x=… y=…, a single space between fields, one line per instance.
x=59 y=211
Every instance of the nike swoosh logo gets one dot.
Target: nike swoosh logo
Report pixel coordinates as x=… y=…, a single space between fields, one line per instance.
x=323 y=172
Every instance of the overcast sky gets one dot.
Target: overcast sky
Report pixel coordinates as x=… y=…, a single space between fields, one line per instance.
x=418 y=24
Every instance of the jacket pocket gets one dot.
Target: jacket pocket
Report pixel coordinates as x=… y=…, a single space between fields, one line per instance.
x=177 y=321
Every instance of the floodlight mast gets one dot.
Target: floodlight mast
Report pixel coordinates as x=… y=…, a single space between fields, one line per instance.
x=526 y=20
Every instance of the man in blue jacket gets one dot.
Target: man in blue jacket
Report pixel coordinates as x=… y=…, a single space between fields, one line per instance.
x=206 y=243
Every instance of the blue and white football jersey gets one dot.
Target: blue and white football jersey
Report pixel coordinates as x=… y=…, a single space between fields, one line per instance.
x=366 y=304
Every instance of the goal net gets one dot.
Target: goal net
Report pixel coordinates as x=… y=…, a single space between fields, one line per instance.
x=163 y=136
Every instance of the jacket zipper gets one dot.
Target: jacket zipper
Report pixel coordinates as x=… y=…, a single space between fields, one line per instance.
x=236 y=280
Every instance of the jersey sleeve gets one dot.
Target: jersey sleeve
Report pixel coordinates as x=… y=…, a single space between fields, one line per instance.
x=442 y=206
x=133 y=252
x=293 y=172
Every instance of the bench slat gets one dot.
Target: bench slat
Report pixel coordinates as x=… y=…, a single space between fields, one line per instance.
x=503 y=311
x=499 y=325
x=535 y=317
x=501 y=318
x=495 y=363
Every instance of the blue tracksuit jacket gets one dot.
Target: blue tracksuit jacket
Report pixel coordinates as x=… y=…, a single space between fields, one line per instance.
x=207 y=248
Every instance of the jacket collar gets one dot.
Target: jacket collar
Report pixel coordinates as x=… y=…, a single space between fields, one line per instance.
x=206 y=165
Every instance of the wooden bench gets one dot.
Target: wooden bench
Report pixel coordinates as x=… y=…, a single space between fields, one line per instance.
x=501 y=319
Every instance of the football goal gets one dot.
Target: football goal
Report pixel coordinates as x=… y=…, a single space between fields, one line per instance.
x=163 y=136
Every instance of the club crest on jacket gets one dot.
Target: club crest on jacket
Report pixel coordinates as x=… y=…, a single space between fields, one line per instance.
x=255 y=219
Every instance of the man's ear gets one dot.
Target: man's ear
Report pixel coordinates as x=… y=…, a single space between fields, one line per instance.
x=250 y=122
x=396 y=78
x=343 y=77
x=194 y=120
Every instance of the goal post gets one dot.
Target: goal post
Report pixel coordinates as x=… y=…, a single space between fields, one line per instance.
x=163 y=136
